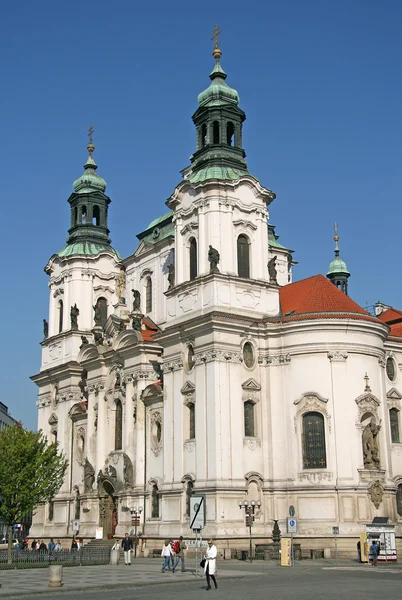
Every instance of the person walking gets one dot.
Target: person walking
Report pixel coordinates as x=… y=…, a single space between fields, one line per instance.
x=210 y=564
x=178 y=548
x=58 y=546
x=166 y=553
x=374 y=553
x=127 y=545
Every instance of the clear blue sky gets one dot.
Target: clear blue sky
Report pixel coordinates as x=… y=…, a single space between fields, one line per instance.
x=320 y=82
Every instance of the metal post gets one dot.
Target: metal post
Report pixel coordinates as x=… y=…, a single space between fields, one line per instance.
x=292 y=558
x=251 y=543
x=336 y=550
x=196 y=553
x=135 y=539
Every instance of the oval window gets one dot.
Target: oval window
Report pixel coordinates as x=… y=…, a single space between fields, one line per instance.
x=190 y=358
x=157 y=431
x=390 y=369
x=248 y=354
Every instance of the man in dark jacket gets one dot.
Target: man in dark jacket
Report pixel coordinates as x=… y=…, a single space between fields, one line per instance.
x=127 y=546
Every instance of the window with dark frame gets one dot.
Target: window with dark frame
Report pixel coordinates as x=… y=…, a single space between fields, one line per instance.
x=148 y=295
x=118 y=437
x=60 y=306
x=314 y=454
x=249 y=428
x=394 y=423
x=191 y=421
x=193 y=259
x=243 y=256
x=155 y=502
x=390 y=368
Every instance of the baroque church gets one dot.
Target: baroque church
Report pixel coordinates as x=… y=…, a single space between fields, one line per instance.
x=197 y=365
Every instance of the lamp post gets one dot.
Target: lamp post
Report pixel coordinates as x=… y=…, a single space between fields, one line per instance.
x=135 y=521
x=249 y=509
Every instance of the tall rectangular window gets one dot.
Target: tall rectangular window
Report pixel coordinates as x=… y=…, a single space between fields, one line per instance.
x=394 y=422
x=249 y=429
x=193 y=259
x=148 y=296
x=314 y=455
x=191 y=415
x=243 y=256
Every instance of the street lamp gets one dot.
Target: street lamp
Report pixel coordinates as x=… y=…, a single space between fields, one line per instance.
x=249 y=509
x=135 y=521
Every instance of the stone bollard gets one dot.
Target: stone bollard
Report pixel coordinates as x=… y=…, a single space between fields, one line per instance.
x=55 y=576
x=227 y=554
x=327 y=552
x=146 y=553
x=114 y=557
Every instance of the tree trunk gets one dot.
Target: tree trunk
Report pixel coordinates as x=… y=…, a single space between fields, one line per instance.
x=10 y=545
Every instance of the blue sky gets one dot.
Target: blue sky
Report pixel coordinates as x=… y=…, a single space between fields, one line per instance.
x=321 y=86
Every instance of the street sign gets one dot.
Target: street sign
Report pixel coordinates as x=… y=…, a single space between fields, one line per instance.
x=292 y=525
x=76 y=525
x=335 y=531
x=291 y=511
x=197 y=512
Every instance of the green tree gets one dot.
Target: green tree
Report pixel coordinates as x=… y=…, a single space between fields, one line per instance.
x=31 y=471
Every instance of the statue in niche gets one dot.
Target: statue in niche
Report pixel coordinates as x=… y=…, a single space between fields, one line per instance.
x=84 y=341
x=117 y=383
x=121 y=285
x=128 y=471
x=82 y=384
x=136 y=301
x=74 y=312
x=100 y=477
x=272 y=270
x=45 y=329
x=112 y=472
x=370 y=445
x=89 y=476
x=97 y=315
x=171 y=276
x=213 y=257
x=276 y=532
x=136 y=323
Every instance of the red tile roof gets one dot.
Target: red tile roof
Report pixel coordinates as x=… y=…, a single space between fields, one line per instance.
x=149 y=331
x=316 y=295
x=396 y=330
x=390 y=315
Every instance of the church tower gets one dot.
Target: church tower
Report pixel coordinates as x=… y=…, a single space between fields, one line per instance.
x=338 y=272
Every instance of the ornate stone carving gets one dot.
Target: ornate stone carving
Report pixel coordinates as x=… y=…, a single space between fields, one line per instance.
x=311 y=401
x=370 y=445
x=251 y=443
x=376 y=492
x=188 y=391
x=243 y=223
x=128 y=471
x=381 y=362
x=366 y=403
x=279 y=359
x=394 y=399
x=337 y=356
x=89 y=476
x=251 y=390
x=156 y=433
x=189 y=228
x=315 y=476
x=189 y=445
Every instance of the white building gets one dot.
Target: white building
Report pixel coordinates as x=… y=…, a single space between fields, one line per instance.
x=268 y=386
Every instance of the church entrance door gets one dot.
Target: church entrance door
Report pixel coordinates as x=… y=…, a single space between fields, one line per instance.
x=108 y=512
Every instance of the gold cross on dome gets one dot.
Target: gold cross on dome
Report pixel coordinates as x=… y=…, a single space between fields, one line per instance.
x=215 y=36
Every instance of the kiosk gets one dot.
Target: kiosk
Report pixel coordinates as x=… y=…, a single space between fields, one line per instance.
x=384 y=535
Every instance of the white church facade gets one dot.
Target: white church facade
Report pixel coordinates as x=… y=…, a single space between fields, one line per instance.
x=196 y=365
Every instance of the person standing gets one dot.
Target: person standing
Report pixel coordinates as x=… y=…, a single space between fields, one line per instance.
x=210 y=564
x=127 y=546
x=51 y=546
x=374 y=553
x=58 y=546
x=178 y=548
x=166 y=553
x=359 y=554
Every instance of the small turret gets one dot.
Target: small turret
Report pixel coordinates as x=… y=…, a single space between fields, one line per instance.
x=338 y=272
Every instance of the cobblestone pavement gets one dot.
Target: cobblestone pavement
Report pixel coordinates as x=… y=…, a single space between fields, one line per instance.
x=309 y=580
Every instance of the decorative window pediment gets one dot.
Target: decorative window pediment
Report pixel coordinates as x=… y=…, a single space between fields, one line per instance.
x=393 y=394
x=188 y=388
x=53 y=420
x=367 y=404
x=310 y=402
x=152 y=393
x=251 y=385
x=310 y=397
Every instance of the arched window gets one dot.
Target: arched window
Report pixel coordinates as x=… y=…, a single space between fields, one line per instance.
x=84 y=214
x=314 y=455
x=215 y=132
x=189 y=491
x=101 y=311
x=230 y=129
x=203 y=136
x=148 y=295
x=243 y=256
x=95 y=215
x=60 y=309
x=193 y=259
x=155 y=502
x=118 y=427
x=394 y=422
x=249 y=430
x=399 y=499
x=191 y=420
x=75 y=216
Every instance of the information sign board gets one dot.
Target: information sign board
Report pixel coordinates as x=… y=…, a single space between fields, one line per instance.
x=292 y=525
x=197 y=511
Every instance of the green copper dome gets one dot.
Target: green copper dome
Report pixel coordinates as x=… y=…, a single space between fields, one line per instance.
x=338 y=266
x=218 y=92
x=89 y=180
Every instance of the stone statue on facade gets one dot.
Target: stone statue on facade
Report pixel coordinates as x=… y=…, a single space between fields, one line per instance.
x=112 y=472
x=98 y=337
x=136 y=301
x=370 y=445
x=128 y=471
x=136 y=322
x=89 y=476
x=45 y=329
x=121 y=285
x=97 y=315
x=84 y=341
x=171 y=276
x=213 y=258
x=272 y=270
x=74 y=312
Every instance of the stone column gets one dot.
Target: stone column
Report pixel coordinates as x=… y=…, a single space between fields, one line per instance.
x=128 y=439
x=202 y=246
x=140 y=449
x=101 y=429
x=91 y=433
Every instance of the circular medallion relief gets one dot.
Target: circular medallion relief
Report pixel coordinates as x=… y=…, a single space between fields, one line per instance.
x=390 y=367
x=248 y=355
